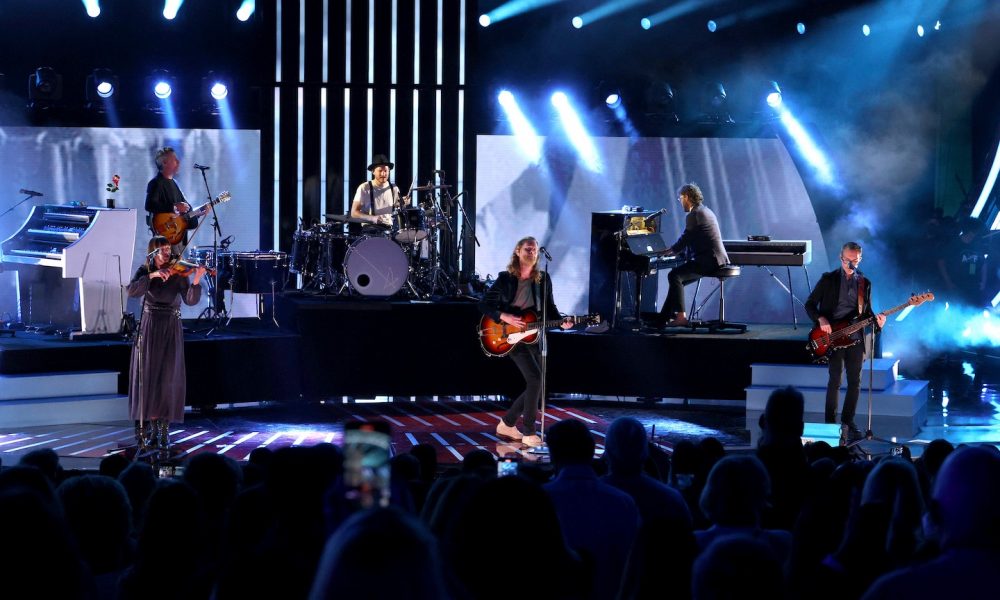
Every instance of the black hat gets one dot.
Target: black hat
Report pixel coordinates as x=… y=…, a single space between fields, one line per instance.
x=379 y=160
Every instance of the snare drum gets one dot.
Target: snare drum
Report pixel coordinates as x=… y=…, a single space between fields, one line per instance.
x=376 y=266
x=254 y=272
x=408 y=225
x=202 y=256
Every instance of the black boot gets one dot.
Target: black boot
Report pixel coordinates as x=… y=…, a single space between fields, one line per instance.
x=143 y=432
x=162 y=434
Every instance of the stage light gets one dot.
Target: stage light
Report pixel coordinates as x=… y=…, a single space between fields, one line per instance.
x=170 y=8
x=513 y=8
x=865 y=29
x=219 y=90
x=162 y=84
x=246 y=9
x=101 y=85
x=716 y=101
x=937 y=26
x=920 y=31
x=524 y=133
x=773 y=96
x=712 y=26
x=485 y=20
x=577 y=22
x=162 y=90
x=807 y=147
x=577 y=133
x=44 y=87
x=646 y=23
x=93 y=8
x=801 y=28
x=660 y=102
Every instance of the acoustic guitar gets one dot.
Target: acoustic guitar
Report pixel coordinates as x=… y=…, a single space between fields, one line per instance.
x=172 y=225
x=820 y=344
x=498 y=338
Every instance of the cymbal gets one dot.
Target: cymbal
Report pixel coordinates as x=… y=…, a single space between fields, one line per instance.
x=427 y=188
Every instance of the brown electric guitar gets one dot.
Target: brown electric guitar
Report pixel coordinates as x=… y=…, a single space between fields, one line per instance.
x=172 y=225
x=821 y=344
x=498 y=338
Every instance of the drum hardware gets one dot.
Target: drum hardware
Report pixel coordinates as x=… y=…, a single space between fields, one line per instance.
x=429 y=187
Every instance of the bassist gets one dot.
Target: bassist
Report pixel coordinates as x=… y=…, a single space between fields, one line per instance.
x=518 y=288
x=842 y=295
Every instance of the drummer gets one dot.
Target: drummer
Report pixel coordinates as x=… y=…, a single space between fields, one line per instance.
x=376 y=198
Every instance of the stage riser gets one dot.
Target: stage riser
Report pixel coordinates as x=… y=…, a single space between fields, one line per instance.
x=884 y=374
x=61 y=398
x=902 y=428
x=52 y=385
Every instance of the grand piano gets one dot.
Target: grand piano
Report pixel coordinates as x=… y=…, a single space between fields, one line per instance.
x=70 y=263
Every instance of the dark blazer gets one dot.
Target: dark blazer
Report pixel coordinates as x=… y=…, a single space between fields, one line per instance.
x=500 y=295
x=702 y=237
x=822 y=302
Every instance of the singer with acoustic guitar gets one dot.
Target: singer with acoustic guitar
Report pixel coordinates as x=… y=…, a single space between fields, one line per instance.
x=842 y=296
x=516 y=291
x=164 y=201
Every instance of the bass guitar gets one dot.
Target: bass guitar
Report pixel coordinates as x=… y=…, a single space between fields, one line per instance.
x=498 y=338
x=173 y=225
x=821 y=344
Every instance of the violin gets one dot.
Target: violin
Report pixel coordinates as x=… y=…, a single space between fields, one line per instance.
x=184 y=268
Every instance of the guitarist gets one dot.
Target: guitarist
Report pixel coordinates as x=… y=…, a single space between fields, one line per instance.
x=521 y=288
x=841 y=295
x=163 y=195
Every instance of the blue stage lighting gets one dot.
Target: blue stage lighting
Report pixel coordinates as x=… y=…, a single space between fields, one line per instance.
x=219 y=90
x=170 y=8
x=162 y=89
x=485 y=20
x=920 y=30
x=801 y=28
x=246 y=9
x=577 y=22
x=773 y=95
x=524 y=133
x=810 y=151
x=93 y=8
x=865 y=29
x=646 y=23
x=613 y=100
x=712 y=26
x=105 y=89
x=937 y=26
x=577 y=133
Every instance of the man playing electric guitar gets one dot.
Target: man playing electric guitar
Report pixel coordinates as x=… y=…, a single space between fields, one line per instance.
x=844 y=294
x=522 y=286
x=163 y=195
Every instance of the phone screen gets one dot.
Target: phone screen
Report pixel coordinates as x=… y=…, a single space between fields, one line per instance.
x=366 y=464
x=506 y=466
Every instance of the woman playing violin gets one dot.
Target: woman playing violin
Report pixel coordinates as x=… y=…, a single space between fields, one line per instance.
x=157 y=384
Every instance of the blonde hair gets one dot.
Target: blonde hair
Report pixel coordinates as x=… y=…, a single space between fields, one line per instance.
x=514 y=266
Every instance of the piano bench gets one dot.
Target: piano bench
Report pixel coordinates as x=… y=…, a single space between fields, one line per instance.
x=722 y=274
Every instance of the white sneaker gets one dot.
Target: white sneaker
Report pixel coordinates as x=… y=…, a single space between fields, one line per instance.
x=508 y=432
x=532 y=441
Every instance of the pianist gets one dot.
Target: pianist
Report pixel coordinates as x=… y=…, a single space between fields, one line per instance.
x=705 y=253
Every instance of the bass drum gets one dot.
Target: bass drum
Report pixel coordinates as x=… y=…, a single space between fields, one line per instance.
x=376 y=266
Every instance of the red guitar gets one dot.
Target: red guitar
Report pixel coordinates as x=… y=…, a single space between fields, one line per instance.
x=821 y=343
x=498 y=338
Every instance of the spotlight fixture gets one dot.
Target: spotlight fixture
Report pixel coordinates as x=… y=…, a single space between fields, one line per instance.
x=214 y=89
x=44 y=87
x=716 y=104
x=161 y=85
x=101 y=86
x=660 y=106
x=485 y=20
x=772 y=94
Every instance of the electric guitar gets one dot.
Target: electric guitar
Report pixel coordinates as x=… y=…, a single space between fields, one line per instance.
x=820 y=344
x=498 y=338
x=172 y=225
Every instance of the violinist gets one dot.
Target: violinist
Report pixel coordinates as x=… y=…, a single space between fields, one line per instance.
x=157 y=383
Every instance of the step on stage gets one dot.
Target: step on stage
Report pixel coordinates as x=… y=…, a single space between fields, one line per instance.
x=361 y=347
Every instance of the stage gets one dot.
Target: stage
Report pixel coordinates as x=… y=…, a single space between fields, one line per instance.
x=328 y=347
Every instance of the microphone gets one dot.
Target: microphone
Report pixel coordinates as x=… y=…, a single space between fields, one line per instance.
x=439 y=172
x=200 y=167
x=545 y=253
x=30 y=192
x=654 y=215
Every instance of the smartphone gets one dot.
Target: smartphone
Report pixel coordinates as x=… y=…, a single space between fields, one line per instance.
x=166 y=471
x=367 y=449
x=506 y=466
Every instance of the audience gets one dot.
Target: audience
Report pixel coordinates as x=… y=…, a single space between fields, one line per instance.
x=781 y=521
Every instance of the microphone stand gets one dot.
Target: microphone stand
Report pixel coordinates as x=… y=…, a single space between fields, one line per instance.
x=543 y=344
x=214 y=313
x=16 y=204
x=894 y=447
x=469 y=224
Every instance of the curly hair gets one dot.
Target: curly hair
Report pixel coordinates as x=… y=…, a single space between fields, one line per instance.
x=693 y=193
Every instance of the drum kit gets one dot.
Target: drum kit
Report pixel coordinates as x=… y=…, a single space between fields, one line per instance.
x=241 y=272
x=378 y=260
